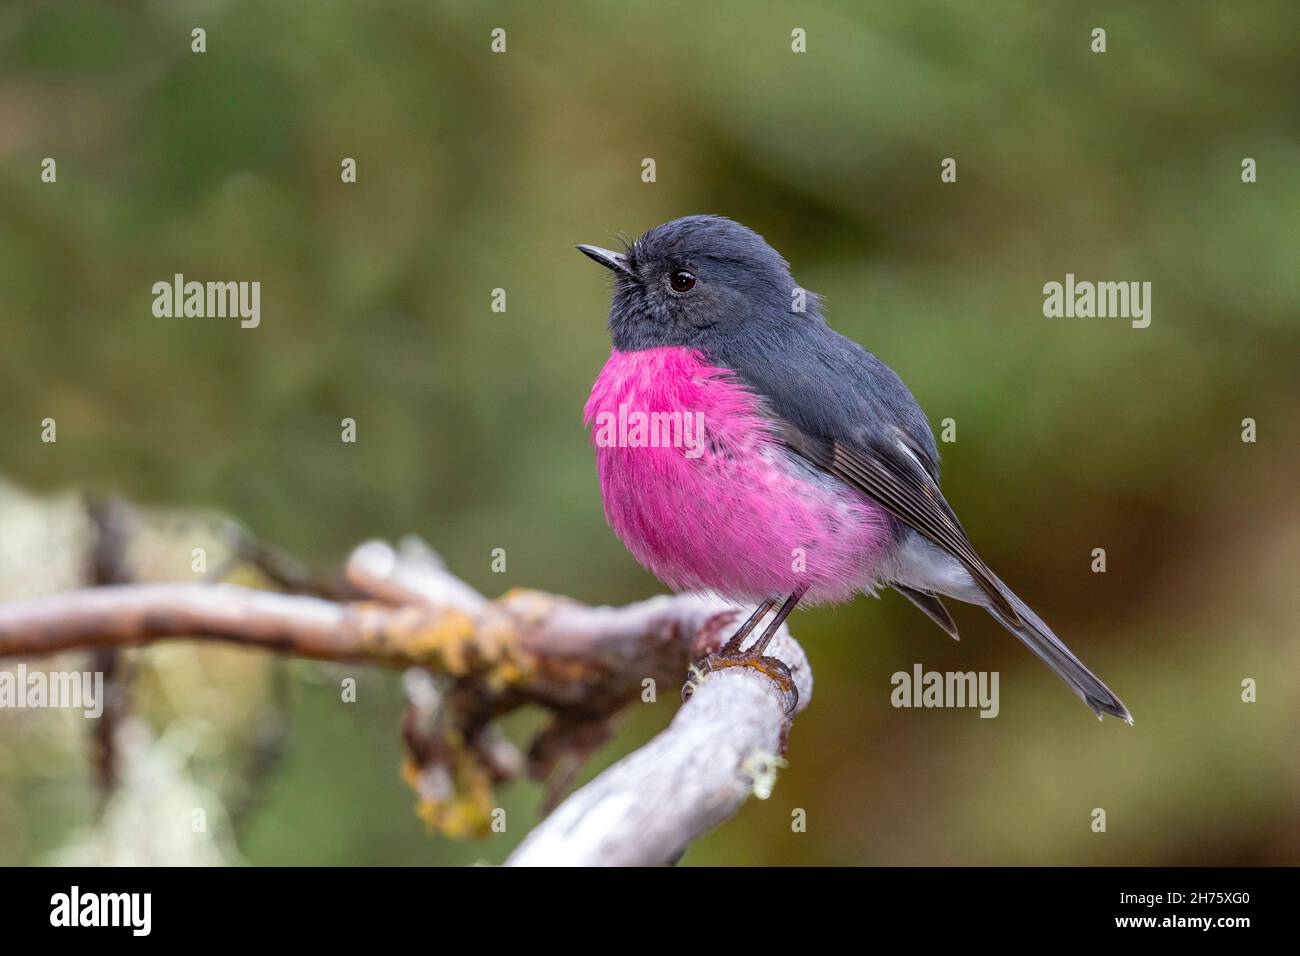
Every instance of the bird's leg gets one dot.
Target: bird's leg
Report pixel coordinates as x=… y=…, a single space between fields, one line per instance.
x=760 y=645
x=730 y=648
x=731 y=655
x=734 y=642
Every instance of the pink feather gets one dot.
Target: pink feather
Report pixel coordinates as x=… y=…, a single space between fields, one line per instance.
x=732 y=511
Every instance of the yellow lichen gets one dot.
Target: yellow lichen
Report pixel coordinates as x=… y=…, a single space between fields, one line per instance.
x=466 y=811
x=445 y=641
x=531 y=606
x=761 y=769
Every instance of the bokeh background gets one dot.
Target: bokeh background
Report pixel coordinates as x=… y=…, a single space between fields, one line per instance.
x=478 y=171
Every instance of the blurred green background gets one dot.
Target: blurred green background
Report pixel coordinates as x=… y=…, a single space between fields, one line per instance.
x=479 y=171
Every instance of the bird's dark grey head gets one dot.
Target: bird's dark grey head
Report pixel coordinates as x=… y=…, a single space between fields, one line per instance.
x=697 y=280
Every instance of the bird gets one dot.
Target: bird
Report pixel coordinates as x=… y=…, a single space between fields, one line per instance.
x=746 y=448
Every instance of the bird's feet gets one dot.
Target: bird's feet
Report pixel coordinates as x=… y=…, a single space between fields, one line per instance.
x=774 y=668
x=731 y=655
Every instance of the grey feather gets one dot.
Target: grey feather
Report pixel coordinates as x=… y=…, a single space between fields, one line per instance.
x=933 y=608
x=1051 y=650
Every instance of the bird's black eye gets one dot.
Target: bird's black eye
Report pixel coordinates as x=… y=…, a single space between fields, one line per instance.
x=682 y=281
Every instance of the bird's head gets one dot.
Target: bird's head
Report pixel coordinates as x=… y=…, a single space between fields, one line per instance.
x=694 y=279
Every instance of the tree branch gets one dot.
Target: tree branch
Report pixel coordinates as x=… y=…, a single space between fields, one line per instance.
x=585 y=664
x=724 y=745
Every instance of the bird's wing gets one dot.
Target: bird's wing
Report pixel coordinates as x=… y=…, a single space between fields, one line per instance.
x=843 y=410
x=895 y=478
x=847 y=412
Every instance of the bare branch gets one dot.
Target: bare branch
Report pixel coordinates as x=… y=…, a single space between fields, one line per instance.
x=416 y=575
x=552 y=649
x=482 y=659
x=724 y=745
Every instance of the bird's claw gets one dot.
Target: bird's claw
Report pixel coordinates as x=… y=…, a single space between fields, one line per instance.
x=773 y=668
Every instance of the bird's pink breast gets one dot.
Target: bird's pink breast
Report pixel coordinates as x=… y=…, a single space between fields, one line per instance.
x=705 y=497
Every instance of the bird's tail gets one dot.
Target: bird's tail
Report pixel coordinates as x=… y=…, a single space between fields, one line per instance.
x=1038 y=637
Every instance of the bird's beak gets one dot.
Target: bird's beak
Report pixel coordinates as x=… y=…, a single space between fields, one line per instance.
x=614 y=261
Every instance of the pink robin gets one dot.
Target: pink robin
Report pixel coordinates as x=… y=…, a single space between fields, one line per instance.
x=746 y=448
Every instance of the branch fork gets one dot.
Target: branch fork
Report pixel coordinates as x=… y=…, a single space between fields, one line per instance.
x=473 y=660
